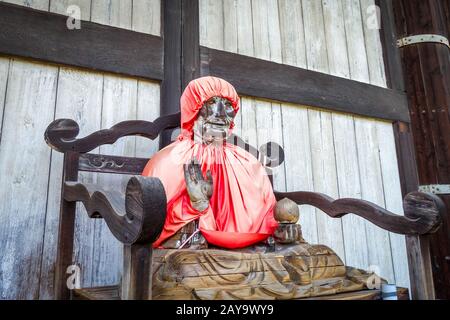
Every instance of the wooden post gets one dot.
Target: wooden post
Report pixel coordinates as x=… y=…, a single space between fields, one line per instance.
x=66 y=229
x=181 y=54
x=137 y=272
x=426 y=69
x=171 y=85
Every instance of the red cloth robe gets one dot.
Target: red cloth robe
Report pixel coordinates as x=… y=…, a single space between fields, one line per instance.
x=241 y=207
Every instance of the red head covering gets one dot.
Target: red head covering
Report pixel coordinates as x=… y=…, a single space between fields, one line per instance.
x=201 y=90
x=241 y=207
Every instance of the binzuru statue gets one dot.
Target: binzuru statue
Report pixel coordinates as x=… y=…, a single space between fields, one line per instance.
x=225 y=235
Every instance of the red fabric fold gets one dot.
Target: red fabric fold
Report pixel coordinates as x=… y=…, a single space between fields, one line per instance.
x=241 y=207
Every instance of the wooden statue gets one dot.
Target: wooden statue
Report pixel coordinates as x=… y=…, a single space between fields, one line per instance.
x=182 y=240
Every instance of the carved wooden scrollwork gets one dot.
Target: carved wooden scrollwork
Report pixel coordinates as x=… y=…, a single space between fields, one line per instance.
x=61 y=134
x=134 y=217
x=423 y=211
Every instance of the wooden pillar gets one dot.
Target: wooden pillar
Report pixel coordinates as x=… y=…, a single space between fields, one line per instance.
x=181 y=54
x=426 y=68
x=171 y=85
x=137 y=272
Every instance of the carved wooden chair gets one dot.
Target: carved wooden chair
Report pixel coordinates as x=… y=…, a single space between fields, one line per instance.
x=136 y=217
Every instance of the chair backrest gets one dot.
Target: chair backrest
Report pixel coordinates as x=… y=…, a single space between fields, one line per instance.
x=61 y=135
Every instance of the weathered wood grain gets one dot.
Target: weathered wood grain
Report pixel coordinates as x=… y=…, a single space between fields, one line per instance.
x=134 y=216
x=62 y=6
x=426 y=70
x=321 y=129
x=119 y=103
x=4 y=70
x=61 y=134
x=280 y=82
x=423 y=211
x=144 y=14
x=344 y=141
x=29 y=33
x=79 y=97
x=34 y=4
x=299 y=174
x=24 y=169
x=147 y=16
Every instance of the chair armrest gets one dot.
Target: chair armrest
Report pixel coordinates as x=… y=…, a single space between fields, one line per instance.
x=423 y=211
x=134 y=217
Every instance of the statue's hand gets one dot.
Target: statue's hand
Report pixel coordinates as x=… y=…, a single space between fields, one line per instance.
x=199 y=188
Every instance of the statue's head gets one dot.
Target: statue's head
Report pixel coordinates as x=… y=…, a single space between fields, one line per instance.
x=214 y=120
x=208 y=108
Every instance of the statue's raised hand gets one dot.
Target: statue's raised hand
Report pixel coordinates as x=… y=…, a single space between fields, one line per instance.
x=199 y=188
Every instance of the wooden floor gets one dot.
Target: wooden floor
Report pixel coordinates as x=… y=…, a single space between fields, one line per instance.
x=113 y=293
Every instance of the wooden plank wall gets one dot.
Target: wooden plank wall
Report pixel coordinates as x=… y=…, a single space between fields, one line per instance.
x=31 y=96
x=337 y=154
x=137 y=15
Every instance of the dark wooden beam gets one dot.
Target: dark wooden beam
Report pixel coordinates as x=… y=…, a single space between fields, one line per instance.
x=427 y=77
x=171 y=86
x=190 y=42
x=270 y=80
x=44 y=36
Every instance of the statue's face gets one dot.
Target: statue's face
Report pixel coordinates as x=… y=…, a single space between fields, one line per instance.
x=214 y=120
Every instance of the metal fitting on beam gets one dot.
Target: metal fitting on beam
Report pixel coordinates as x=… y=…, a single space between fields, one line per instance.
x=423 y=38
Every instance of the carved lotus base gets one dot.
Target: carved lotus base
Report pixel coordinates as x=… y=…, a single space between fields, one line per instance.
x=289 y=272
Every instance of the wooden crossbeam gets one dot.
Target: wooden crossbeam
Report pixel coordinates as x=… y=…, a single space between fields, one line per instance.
x=45 y=36
x=265 y=79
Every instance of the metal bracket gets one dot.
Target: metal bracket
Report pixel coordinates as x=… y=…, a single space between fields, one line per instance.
x=436 y=188
x=421 y=38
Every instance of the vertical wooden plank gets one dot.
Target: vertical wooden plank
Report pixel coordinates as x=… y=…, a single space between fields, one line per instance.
x=336 y=38
x=203 y=21
x=325 y=178
x=61 y=6
x=249 y=131
x=393 y=198
x=230 y=42
x=267 y=114
x=245 y=47
x=116 y=13
x=29 y=107
x=388 y=159
x=214 y=23
x=372 y=39
x=292 y=33
x=321 y=129
x=79 y=98
x=245 y=27
x=354 y=230
x=148 y=96
x=378 y=240
x=315 y=41
x=147 y=16
x=274 y=31
x=298 y=163
x=353 y=227
x=357 y=55
x=35 y=4
x=391 y=180
x=260 y=29
x=4 y=70
x=119 y=104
